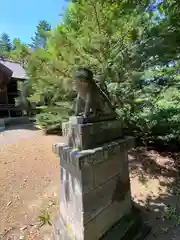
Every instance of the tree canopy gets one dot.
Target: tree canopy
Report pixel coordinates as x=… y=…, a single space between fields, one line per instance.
x=40 y=37
x=5 y=45
x=133 y=47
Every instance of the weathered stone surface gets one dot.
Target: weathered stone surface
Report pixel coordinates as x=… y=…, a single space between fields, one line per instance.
x=2 y=125
x=91 y=119
x=129 y=227
x=71 y=204
x=95 y=185
x=76 y=120
x=91 y=156
x=90 y=135
x=107 y=218
x=107 y=170
x=95 y=228
x=62 y=231
x=103 y=196
x=95 y=188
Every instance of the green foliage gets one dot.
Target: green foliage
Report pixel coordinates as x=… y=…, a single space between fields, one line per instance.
x=128 y=49
x=5 y=45
x=41 y=35
x=20 y=52
x=133 y=48
x=44 y=218
x=51 y=117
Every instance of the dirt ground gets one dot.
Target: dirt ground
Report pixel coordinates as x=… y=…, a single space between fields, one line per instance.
x=29 y=182
x=156 y=191
x=29 y=178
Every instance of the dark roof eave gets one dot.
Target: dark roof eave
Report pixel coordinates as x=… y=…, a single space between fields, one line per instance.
x=5 y=69
x=19 y=79
x=17 y=70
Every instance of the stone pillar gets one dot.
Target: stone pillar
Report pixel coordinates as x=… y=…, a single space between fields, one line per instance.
x=95 y=186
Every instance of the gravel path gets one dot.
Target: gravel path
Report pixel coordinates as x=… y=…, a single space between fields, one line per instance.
x=15 y=134
x=29 y=177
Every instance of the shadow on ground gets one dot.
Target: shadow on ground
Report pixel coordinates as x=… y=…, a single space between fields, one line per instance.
x=156 y=190
x=32 y=126
x=27 y=126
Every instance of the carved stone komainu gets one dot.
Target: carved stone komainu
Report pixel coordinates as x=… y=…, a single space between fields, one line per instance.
x=91 y=99
x=95 y=187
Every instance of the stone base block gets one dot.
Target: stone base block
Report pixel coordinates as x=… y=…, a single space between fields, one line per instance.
x=90 y=135
x=129 y=227
x=92 y=119
x=95 y=189
x=2 y=125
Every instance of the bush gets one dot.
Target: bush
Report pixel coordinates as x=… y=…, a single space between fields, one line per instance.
x=51 y=118
x=158 y=124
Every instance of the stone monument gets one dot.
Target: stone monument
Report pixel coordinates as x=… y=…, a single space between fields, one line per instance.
x=95 y=196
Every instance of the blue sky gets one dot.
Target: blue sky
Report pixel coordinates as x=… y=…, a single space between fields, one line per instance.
x=19 y=18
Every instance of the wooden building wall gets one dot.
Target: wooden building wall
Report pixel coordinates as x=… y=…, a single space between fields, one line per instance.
x=8 y=93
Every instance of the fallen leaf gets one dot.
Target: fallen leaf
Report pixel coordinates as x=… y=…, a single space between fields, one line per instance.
x=23 y=228
x=9 y=203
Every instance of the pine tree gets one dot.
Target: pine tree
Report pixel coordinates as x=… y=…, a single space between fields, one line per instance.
x=41 y=35
x=20 y=52
x=5 y=45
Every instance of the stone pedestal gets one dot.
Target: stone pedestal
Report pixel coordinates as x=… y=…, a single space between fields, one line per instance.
x=95 y=186
x=2 y=125
x=90 y=135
